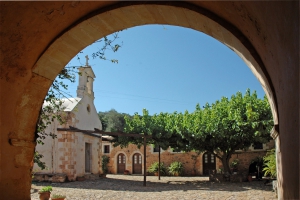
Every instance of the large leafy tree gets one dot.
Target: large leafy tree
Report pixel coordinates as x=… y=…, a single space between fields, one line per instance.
x=155 y=126
x=228 y=125
x=219 y=128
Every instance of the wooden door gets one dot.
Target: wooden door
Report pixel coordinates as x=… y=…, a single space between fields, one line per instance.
x=209 y=163
x=137 y=163
x=87 y=157
x=121 y=163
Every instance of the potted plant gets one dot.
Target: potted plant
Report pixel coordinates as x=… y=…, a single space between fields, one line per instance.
x=104 y=162
x=45 y=193
x=176 y=168
x=58 y=197
x=126 y=172
x=154 y=169
x=270 y=164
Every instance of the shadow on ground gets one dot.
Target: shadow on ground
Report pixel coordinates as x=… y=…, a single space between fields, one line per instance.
x=135 y=183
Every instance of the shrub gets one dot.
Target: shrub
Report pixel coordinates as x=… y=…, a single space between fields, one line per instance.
x=270 y=164
x=176 y=168
x=154 y=168
x=46 y=189
x=104 y=162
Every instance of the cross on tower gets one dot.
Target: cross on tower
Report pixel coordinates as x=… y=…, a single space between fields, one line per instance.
x=87 y=60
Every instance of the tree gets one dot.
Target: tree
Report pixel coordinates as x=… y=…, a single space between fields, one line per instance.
x=220 y=128
x=112 y=120
x=161 y=128
x=228 y=125
x=53 y=102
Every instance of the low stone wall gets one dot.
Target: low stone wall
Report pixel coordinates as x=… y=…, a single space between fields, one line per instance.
x=54 y=178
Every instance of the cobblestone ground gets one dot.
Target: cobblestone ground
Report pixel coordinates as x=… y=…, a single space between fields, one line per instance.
x=131 y=187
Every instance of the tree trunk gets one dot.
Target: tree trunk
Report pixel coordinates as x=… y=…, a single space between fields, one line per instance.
x=225 y=162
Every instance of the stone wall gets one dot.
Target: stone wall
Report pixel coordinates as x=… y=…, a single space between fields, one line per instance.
x=245 y=157
x=167 y=157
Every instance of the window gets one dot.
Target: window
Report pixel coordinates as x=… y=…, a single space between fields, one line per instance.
x=156 y=149
x=106 y=148
x=258 y=145
x=212 y=158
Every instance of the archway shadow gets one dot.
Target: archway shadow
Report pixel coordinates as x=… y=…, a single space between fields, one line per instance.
x=126 y=183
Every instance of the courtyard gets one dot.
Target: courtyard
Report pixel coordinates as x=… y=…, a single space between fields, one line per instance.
x=131 y=187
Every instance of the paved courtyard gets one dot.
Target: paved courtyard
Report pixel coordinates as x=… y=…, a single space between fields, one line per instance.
x=131 y=187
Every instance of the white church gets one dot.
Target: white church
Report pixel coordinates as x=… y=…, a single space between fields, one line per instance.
x=74 y=154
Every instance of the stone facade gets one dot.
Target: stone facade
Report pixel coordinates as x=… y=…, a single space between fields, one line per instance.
x=191 y=166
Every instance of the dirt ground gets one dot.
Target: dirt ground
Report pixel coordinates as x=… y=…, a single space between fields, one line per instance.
x=131 y=187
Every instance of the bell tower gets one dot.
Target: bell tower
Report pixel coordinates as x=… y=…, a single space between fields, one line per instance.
x=86 y=80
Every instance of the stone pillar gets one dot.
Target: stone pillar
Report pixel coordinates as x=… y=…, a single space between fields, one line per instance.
x=21 y=100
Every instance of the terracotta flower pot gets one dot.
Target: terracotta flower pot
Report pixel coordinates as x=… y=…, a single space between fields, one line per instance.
x=44 y=195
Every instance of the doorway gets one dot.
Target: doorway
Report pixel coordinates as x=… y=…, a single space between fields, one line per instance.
x=209 y=163
x=137 y=163
x=121 y=163
x=87 y=157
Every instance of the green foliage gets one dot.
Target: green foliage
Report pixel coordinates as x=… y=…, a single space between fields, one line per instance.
x=107 y=44
x=57 y=196
x=104 y=163
x=46 y=189
x=154 y=168
x=219 y=128
x=235 y=163
x=112 y=120
x=270 y=164
x=37 y=159
x=176 y=168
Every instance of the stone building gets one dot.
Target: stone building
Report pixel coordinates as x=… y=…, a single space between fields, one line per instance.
x=132 y=158
x=74 y=153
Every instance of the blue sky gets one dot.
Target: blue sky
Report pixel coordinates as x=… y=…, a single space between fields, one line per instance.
x=165 y=69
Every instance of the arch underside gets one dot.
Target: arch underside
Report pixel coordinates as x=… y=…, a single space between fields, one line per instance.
x=125 y=15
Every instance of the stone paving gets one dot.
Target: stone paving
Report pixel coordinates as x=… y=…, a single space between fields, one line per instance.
x=131 y=187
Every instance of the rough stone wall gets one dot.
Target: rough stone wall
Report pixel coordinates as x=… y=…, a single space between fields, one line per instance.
x=67 y=154
x=167 y=157
x=246 y=157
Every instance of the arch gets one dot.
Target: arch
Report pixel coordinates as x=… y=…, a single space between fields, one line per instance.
x=125 y=15
x=264 y=34
x=137 y=163
x=120 y=160
x=208 y=162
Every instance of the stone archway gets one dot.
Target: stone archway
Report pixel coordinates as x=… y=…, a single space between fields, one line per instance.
x=36 y=44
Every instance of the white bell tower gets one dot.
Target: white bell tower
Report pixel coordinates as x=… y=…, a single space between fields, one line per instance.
x=86 y=80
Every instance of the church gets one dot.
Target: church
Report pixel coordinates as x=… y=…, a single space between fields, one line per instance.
x=73 y=154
